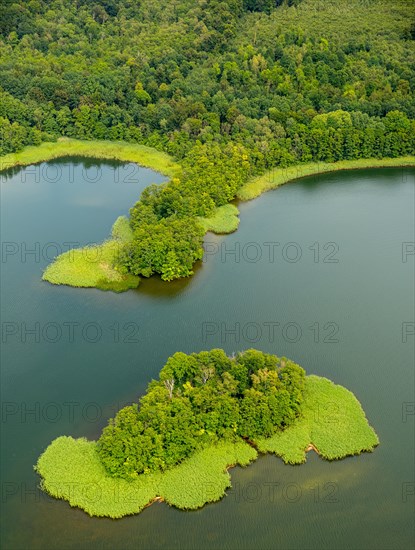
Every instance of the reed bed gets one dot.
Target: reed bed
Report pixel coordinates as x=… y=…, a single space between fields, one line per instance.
x=332 y=421
x=94 y=266
x=278 y=176
x=108 y=150
x=224 y=220
x=71 y=470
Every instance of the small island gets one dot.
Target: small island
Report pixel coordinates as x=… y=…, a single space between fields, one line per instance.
x=206 y=413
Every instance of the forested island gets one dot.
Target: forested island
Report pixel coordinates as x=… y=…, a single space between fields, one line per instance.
x=228 y=99
x=206 y=413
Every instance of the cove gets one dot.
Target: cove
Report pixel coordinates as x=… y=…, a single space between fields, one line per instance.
x=368 y=294
x=170 y=245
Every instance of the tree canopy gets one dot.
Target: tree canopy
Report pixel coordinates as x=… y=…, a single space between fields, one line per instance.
x=198 y=400
x=229 y=88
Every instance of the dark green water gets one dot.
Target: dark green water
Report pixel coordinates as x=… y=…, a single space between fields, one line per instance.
x=342 y=319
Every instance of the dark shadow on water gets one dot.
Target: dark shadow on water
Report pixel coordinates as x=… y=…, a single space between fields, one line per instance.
x=352 y=176
x=9 y=173
x=85 y=162
x=317 y=182
x=88 y=162
x=154 y=287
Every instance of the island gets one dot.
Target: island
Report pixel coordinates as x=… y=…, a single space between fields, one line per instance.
x=206 y=413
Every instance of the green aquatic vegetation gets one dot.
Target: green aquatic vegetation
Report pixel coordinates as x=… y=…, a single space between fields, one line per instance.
x=71 y=470
x=278 y=176
x=207 y=412
x=95 y=266
x=204 y=477
x=224 y=220
x=108 y=150
x=121 y=230
x=332 y=421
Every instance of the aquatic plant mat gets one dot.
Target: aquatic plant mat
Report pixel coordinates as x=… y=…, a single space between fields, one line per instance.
x=278 y=176
x=333 y=423
x=224 y=220
x=106 y=150
x=96 y=265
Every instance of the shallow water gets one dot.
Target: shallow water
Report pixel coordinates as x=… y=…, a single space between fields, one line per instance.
x=318 y=272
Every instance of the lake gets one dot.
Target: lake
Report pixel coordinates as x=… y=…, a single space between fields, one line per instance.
x=320 y=270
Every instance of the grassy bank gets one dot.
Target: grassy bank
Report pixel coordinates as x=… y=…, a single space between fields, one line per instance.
x=94 y=266
x=332 y=420
x=278 y=176
x=64 y=147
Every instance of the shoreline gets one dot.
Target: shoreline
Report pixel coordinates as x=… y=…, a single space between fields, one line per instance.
x=144 y=156
x=311 y=447
x=274 y=178
x=208 y=471
x=224 y=220
x=161 y=162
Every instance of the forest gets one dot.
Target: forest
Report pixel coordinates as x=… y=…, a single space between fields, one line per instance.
x=199 y=400
x=229 y=89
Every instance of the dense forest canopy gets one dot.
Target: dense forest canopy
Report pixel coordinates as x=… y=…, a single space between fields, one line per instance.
x=198 y=400
x=229 y=88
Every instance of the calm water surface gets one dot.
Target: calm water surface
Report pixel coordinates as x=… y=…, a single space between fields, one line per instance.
x=315 y=273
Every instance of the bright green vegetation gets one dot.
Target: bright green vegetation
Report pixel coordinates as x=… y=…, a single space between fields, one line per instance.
x=203 y=477
x=206 y=413
x=201 y=399
x=278 y=176
x=230 y=90
x=95 y=266
x=224 y=220
x=332 y=420
x=64 y=147
x=71 y=470
x=121 y=230
x=168 y=246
